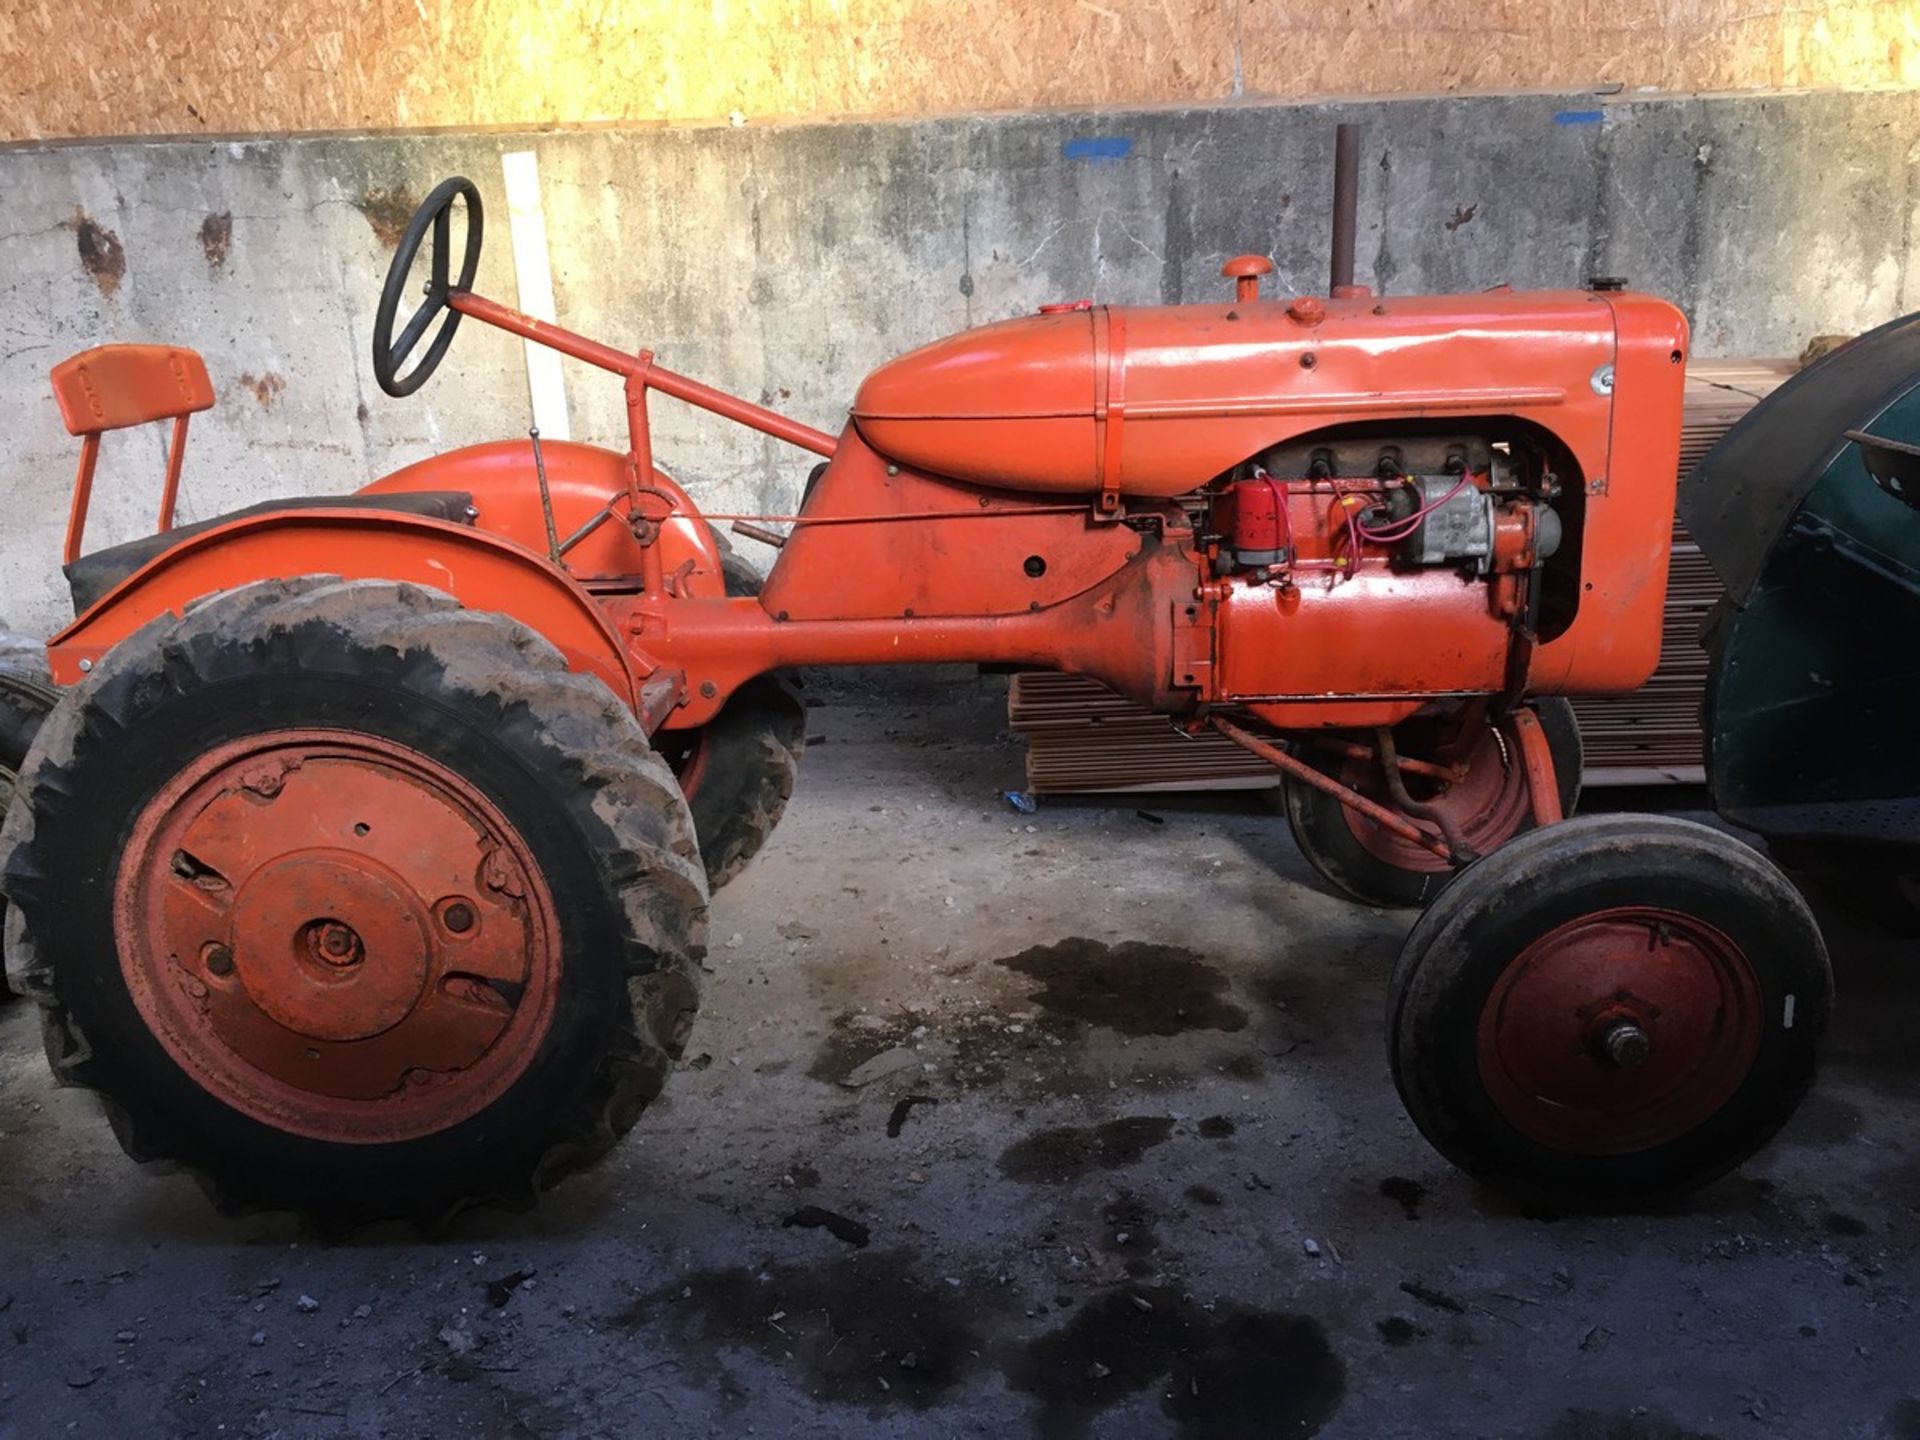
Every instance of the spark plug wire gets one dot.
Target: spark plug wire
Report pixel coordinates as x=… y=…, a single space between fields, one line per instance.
x=1280 y=500
x=1401 y=529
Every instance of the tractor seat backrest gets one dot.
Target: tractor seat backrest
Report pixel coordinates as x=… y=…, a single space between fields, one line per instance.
x=113 y=386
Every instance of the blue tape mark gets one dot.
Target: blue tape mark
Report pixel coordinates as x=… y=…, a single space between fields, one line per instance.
x=1100 y=147
x=1579 y=117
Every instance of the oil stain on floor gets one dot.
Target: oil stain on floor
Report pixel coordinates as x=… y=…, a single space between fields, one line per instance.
x=1066 y=1152
x=966 y=1051
x=1219 y=1375
x=1134 y=988
x=1037 y=1047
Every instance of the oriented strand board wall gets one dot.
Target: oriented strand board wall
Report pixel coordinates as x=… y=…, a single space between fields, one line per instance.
x=82 y=68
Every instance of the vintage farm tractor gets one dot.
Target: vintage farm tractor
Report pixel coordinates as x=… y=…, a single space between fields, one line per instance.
x=360 y=868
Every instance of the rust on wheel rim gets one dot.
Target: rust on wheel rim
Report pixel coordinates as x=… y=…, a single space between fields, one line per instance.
x=1488 y=807
x=336 y=935
x=1620 y=1031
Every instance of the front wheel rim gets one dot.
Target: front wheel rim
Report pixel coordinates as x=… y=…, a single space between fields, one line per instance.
x=336 y=935
x=1619 y=1031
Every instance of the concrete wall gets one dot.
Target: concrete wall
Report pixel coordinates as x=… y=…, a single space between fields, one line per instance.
x=783 y=262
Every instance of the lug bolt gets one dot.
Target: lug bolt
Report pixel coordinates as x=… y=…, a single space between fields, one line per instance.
x=265 y=780
x=335 y=943
x=1626 y=1045
x=458 y=917
x=219 y=960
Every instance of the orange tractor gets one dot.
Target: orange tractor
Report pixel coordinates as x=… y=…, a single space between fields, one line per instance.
x=363 y=867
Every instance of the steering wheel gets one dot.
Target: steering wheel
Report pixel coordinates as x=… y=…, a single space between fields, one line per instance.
x=390 y=354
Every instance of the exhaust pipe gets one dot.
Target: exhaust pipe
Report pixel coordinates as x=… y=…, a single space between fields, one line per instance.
x=1346 y=205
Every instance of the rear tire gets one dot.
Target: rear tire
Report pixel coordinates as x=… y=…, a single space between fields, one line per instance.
x=739 y=769
x=27 y=697
x=1614 y=1009
x=545 y=1014
x=1375 y=867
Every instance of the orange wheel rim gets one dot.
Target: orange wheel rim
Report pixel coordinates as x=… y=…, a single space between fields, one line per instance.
x=1489 y=806
x=1620 y=1030
x=686 y=753
x=336 y=935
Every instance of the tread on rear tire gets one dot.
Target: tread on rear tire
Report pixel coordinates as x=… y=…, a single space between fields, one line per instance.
x=27 y=697
x=739 y=769
x=490 y=703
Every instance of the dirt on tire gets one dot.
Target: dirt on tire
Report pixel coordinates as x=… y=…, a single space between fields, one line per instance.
x=613 y=835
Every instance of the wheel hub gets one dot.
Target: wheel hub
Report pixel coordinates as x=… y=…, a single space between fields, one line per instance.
x=1624 y=1045
x=337 y=944
x=331 y=945
x=1619 y=1031
x=337 y=934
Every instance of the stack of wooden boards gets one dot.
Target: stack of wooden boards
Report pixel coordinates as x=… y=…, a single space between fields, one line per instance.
x=1082 y=738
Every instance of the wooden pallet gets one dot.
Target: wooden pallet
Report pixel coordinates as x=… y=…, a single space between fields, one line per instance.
x=1084 y=739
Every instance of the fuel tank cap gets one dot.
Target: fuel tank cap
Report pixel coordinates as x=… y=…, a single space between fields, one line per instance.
x=1245 y=272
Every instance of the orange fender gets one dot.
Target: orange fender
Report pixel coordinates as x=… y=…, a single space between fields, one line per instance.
x=482 y=571
x=582 y=479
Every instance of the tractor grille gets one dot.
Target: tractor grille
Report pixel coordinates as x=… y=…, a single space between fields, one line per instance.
x=1082 y=738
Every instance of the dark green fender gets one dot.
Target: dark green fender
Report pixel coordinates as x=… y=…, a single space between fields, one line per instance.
x=1814 y=693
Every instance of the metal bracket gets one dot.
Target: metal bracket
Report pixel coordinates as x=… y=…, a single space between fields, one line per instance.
x=660 y=694
x=1193 y=626
x=546 y=495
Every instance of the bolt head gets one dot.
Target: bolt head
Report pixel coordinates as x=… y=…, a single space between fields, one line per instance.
x=1626 y=1045
x=335 y=943
x=458 y=917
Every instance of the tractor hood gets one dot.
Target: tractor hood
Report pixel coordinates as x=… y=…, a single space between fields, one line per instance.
x=1156 y=401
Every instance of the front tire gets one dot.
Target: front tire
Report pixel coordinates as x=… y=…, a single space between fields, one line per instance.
x=1613 y=1009
x=356 y=903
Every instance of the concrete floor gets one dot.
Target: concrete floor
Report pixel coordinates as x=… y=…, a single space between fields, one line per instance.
x=1146 y=1175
